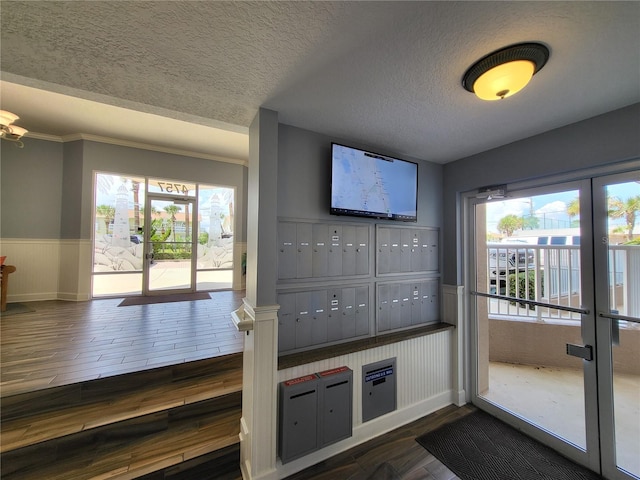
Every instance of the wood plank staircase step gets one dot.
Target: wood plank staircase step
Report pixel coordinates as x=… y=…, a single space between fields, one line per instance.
x=133 y=448
x=103 y=389
x=40 y=427
x=126 y=426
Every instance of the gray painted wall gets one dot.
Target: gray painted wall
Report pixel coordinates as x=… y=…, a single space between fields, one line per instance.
x=72 y=186
x=47 y=187
x=304 y=176
x=31 y=189
x=601 y=140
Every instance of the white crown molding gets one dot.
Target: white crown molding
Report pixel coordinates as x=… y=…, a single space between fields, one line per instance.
x=126 y=143
x=43 y=136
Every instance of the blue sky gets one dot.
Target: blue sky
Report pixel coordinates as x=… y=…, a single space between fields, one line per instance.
x=551 y=207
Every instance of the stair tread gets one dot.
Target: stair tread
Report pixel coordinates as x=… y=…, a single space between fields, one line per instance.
x=129 y=459
x=41 y=427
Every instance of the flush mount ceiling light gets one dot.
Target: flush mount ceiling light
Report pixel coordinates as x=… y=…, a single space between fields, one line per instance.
x=8 y=131
x=505 y=72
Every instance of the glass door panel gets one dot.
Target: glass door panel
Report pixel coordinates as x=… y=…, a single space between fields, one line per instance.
x=529 y=306
x=215 y=230
x=617 y=198
x=169 y=258
x=117 y=238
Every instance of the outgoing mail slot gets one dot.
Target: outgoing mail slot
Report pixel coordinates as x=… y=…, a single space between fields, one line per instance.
x=335 y=421
x=378 y=389
x=298 y=419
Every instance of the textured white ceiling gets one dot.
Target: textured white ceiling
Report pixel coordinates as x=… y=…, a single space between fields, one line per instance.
x=386 y=74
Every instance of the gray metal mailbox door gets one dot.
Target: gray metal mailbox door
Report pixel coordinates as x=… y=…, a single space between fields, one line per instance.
x=286 y=250
x=335 y=420
x=287 y=322
x=298 y=432
x=319 y=257
x=362 y=250
x=334 y=256
x=348 y=250
x=362 y=311
x=304 y=250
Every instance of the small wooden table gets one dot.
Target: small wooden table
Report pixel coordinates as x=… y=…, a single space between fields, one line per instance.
x=5 y=270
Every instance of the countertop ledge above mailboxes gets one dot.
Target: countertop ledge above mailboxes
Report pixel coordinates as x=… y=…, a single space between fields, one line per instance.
x=318 y=354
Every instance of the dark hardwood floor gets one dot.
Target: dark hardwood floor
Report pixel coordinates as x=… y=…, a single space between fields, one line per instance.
x=393 y=456
x=61 y=343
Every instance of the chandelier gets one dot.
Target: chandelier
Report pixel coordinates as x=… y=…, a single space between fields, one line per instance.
x=8 y=131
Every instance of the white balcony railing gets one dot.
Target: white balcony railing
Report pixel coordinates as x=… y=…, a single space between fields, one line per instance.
x=551 y=274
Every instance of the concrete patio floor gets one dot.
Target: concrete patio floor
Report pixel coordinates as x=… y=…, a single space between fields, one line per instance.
x=552 y=398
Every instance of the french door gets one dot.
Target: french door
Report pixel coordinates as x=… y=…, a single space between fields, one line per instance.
x=555 y=277
x=169 y=253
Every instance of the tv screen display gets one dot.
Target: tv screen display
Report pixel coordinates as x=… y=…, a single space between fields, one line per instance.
x=367 y=184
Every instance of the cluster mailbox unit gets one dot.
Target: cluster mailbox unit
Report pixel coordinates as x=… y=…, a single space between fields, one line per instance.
x=329 y=293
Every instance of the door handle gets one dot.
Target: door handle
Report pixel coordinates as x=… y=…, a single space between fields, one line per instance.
x=581 y=351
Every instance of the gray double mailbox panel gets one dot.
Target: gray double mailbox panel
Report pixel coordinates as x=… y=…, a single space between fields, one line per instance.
x=314 y=411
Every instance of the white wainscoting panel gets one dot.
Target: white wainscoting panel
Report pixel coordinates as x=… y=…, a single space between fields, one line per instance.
x=48 y=269
x=453 y=313
x=75 y=270
x=424 y=382
x=36 y=262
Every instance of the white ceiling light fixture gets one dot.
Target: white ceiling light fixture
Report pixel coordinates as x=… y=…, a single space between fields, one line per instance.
x=505 y=72
x=9 y=131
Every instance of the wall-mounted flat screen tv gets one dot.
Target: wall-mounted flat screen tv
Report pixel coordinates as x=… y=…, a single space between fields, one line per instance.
x=366 y=184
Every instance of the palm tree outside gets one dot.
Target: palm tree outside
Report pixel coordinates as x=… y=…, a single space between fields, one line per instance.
x=628 y=210
x=108 y=213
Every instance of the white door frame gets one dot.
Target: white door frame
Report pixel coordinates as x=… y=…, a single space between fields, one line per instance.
x=148 y=253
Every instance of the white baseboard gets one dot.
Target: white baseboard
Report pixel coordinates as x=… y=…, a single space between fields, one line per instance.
x=460 y=398
x=73 y=297
x=31 y=297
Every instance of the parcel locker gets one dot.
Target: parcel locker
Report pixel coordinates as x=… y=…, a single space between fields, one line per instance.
x=287 y=322
x=378 y=389
x=334 y=317
x=362 y=250
x=334 y=256
x=304 y=250
x=298 y=417
x=362 y=311
x=384 y=250
x=318 y=309
x=286 y=250
x=335 y=419
x=348 y=250
x=319 y=259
